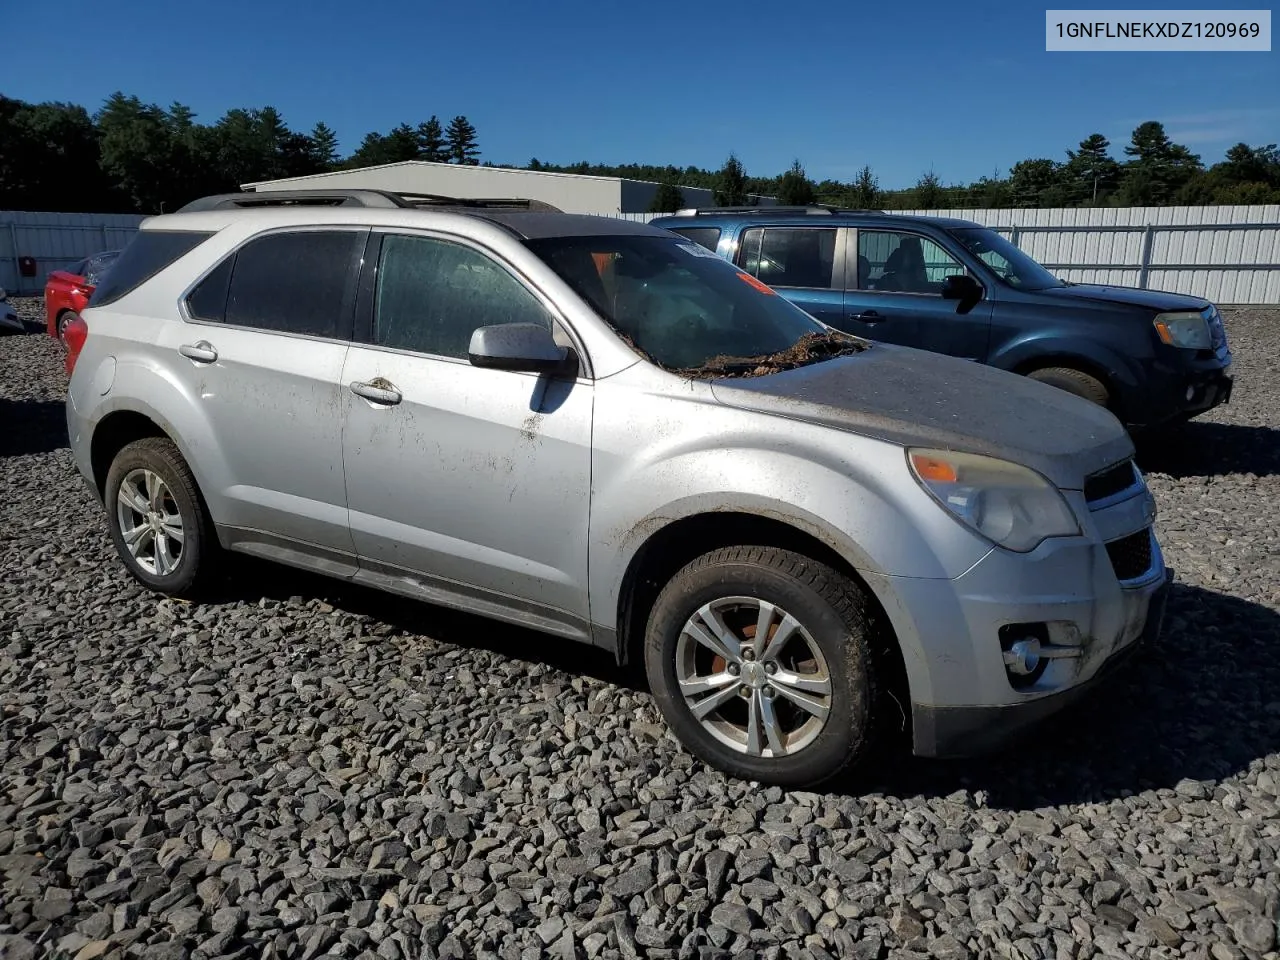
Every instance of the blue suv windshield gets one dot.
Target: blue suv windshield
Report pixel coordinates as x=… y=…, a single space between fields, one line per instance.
x=686 y=308
x=1008 y=262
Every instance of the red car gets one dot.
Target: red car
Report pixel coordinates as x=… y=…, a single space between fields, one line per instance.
x=67 y=292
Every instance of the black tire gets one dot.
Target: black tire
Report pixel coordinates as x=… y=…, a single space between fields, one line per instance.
x=833 y=612
x=199 y=547
x=64 y=319
x=1074 y=381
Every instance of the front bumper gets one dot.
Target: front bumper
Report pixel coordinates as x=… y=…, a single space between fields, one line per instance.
x=10 y=321
x=969 y=731
x=1088 y=602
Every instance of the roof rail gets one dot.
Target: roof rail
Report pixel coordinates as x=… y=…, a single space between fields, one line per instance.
x=813 y=209
x=354 y=197
x=282 y=198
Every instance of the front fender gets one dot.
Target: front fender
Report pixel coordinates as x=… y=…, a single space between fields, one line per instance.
x=1079 y=352
x=881 y=522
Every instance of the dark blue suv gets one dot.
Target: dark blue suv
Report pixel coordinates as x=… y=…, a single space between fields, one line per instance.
x=957 y=287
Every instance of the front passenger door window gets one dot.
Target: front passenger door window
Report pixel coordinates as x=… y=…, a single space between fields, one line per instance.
x=894 y=262
x=433 y=294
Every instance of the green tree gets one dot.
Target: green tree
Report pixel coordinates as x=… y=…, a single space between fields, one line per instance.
x=460 y=140
x=324 y=146
x=865 y=194
x=1159 y=168
x=431 y=144
x=795 y=188
x=1090 y=173
x=137 y=150
x=668 y=198
x=374 y=149
x=731 y=184
x=1032 y=181
x=928 y=192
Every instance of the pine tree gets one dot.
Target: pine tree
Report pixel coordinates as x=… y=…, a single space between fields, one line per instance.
x=866 y=190
x=460 y=140
x=928 y=192
x=795 y=188
x=1090 y=172
x=731 y=184
x=667 y=199
x=324 y=146
x=431 y=144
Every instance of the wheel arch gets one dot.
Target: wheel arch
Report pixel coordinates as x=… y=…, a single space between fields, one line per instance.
x=672 y=546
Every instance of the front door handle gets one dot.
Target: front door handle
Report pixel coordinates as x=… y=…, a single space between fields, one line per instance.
x=379 y=391
x=867 y=316
x=201 y=352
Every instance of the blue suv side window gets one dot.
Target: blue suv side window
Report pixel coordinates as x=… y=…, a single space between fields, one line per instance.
x=789 y=256
x=895 y=262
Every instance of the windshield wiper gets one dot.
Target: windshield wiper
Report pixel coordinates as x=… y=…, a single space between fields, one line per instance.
x=811 y=348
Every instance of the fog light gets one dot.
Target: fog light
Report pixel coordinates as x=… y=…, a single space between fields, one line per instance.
x=1191 y=392
x=1022 y=658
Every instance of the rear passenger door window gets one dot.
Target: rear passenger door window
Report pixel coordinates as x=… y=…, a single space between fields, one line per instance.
x=895 y=262
x=789 y=256
x=299 y=282
x=433 y=294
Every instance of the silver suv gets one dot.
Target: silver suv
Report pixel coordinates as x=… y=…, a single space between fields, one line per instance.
x=602 y=431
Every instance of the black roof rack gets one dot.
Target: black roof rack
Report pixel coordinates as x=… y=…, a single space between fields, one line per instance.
x=813 y=209
x=355 y=197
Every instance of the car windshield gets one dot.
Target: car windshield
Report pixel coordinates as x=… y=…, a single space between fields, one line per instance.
x=1009 y=263
x=687 y=309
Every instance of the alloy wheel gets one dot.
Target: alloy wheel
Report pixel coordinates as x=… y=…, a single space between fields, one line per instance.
x=150 y=523
x=753 y=676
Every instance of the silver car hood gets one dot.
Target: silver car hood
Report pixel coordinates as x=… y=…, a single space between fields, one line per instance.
x=915 y=398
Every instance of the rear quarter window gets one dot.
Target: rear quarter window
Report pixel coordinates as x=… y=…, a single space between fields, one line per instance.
x=703 y=236
x=149 y=252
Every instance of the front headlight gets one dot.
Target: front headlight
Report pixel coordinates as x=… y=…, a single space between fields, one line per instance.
x=1009 y=504
x=1189 y=330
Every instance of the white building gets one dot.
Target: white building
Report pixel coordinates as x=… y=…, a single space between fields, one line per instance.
x=571 y=192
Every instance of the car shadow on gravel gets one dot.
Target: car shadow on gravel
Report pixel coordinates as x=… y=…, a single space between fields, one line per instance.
x=32 y=426
x=1205 y=449
x=1201 y=705
x=255 y=579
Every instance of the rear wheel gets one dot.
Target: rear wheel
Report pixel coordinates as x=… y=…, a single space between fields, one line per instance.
x=760 y=661
x=1074 y=381
x=157 y=519
x=64 y=319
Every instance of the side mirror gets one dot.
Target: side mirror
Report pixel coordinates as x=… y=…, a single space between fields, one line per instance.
x=963 y=288
x=524 y=347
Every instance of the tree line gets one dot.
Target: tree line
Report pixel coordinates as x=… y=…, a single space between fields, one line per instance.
x=135 y=157
x=131 y=156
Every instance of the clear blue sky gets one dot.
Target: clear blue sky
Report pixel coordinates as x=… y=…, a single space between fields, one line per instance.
x=964 y=89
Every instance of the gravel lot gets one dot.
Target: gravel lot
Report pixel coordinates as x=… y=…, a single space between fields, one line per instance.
x=305 y=768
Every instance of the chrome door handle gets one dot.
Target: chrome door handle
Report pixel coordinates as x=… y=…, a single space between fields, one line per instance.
x=868 y=316
x=201 y=352
x=378 y=392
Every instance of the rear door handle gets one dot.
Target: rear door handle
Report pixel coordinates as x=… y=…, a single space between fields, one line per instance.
x=867 y=316
x=380 y=391
x=201 y=352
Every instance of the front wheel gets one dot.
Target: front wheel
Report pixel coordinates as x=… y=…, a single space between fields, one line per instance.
x=760 y=661
x=1074 y=381
x=157 y=519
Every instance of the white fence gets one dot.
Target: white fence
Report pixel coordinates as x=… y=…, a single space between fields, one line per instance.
x=1228 y=254
x=56 y=241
